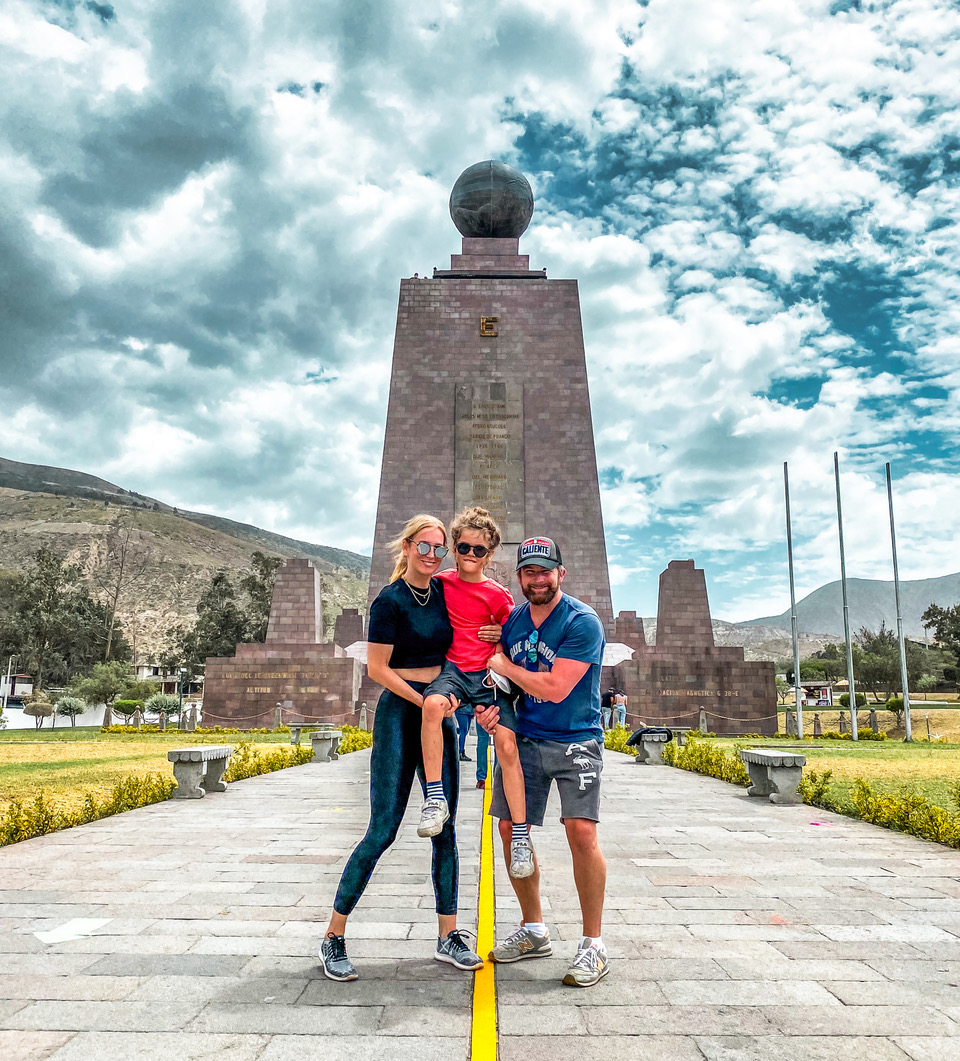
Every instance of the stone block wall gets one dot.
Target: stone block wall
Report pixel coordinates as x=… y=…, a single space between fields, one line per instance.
x=683 y=612
x=296 y=615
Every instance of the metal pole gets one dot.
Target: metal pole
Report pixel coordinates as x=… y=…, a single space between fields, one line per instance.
x=846 y=610
x=6 y=689
x=908 y=733
x=797 y=691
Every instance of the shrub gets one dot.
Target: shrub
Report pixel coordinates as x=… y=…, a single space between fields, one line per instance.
x=705 y=758
x=162 y=704
x=127 y=707
x=906 y=811
x=70 y=707
x=249 y=760
x=861 y=699
x=833 y=734
x=616 y=740
x=354 y=739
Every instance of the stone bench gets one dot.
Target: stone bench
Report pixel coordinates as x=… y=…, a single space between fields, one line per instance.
x=326 y=741
x=649 y=744
x=199 y=770
x=297 y=729
x=775 y=774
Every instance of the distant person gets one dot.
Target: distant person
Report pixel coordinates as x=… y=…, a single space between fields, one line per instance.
x=606 y=705
x=552 y=647
x=474 y=603
x=620 y=707
x=408 y=636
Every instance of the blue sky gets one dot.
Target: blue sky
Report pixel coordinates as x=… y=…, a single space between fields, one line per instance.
x=208 y=207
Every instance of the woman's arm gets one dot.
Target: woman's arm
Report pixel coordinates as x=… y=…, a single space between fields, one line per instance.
x=380 y=671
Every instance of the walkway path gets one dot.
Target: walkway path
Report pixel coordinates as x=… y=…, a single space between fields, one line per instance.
x=738 y=931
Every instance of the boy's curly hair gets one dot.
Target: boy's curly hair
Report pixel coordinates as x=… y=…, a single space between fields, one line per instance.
x=478 y=519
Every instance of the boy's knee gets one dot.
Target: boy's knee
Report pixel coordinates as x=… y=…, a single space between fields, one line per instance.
x=434 y=707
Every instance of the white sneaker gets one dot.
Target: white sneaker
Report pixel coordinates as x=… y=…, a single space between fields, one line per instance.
x=589 y=967
x=521 y=858
x=433 y=816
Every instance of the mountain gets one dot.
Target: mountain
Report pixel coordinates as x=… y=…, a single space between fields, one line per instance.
x=72 y=512
x=871 y=602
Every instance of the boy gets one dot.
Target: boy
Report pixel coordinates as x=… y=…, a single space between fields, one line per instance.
x=473 y=601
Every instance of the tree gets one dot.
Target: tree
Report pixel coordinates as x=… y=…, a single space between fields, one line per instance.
x=945 y=623
x=783 y=688
x=258 y=587
x=925 y=683
x=879 y=665
x=49 y=620
x=163 y=704
x=38 y=708
x=104 y=683
x=121 y=567
x=70 y=707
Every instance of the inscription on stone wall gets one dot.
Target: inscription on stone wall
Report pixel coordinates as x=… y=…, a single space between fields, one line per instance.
x=488 y=468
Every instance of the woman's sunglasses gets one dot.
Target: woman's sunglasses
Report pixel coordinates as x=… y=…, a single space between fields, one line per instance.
x=479 y=551
x=426 y=548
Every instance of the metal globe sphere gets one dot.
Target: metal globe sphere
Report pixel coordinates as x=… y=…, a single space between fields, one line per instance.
x=492 y=200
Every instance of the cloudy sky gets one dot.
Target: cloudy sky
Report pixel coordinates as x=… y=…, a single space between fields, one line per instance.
x=205 y=210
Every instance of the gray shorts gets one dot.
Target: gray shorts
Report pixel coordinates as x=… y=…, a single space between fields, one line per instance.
x=575 y=767
x=469 y=689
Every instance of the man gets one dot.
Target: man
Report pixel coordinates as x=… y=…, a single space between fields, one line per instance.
x=606 y=705
x=554 y=648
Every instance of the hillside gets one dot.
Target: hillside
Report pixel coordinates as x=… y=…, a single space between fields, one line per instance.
x=871 y=602
x=183 y=550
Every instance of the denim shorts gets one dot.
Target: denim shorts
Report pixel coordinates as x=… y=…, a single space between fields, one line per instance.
x=469 y=689
x=576 y=768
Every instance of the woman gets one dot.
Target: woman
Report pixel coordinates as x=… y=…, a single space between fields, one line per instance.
x=408 y=636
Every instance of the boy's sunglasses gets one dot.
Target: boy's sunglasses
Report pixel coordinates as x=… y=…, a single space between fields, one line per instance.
x=532 y=650
x=479 y=551
x=426 y=548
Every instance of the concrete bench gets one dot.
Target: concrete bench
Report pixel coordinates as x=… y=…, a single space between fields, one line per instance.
x=325 y=742
x=649 y=744
x=296 y=729
x=199 y=770
x=775 y=774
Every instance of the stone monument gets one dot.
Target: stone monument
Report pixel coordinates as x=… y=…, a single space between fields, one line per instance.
x=311 y=681
x=489 y=402
x=685 y=675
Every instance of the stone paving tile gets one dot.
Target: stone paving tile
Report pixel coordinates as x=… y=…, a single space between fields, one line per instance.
x=161 y=1046
x=281 y=990
x=31 y=1046
x=797 y=969
x=862 y=1020
x=389 y=992
x=199 y=965
x=690 y=1020
x=453 y=1022
x=800 y=1048
x=367 y=1048
x=609 y=1048
x=77 y=988
x=45 y=964
x=747 y=993
x=104 y=1016
x=269 y=1019
x=142 y=944
x=894 y=993
x=943 y=972
x=537 y=1020
x=929 y=1048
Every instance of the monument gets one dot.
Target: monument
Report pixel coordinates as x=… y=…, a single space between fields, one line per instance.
x=685 y=672
x=311 y=681
x=489 y=402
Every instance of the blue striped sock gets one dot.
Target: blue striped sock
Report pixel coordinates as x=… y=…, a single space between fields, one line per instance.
x=519 y=831
x=435 y=790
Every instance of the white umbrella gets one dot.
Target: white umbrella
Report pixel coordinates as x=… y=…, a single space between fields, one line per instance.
x=614 y=652
x=358 y=650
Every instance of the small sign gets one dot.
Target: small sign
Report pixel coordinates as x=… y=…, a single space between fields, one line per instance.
x=488 y=325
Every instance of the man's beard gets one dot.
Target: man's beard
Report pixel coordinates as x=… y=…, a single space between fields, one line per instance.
x=540 y=596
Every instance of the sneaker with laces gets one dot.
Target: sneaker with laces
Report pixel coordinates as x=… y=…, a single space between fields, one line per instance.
x=589 y=967
x=433 y=815
x=521 y=858
x=454 y=951
x=520 y=945
x=333 y=958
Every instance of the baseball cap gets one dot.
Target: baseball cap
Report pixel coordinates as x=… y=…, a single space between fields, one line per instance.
x=540 y=551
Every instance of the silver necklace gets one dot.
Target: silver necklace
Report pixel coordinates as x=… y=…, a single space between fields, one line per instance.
x=424 y=600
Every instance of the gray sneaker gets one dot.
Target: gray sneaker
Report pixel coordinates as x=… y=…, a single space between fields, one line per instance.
x=333 y=958
x=521 y=858
x=589 y=967
x=433 y=815
x=520 y=945
x=454 y=951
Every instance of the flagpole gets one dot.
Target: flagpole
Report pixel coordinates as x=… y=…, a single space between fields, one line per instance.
x=908 y=733
x=794 y=628
x=846 y=610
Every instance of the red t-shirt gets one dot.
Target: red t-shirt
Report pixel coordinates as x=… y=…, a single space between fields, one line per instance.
x=471 y=605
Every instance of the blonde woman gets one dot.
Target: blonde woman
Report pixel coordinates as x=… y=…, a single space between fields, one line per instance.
x=408 y=635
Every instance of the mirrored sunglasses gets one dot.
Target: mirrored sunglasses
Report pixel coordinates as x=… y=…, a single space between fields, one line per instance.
x=426 y=548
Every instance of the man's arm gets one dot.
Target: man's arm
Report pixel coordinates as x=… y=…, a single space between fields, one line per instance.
x=552 y=685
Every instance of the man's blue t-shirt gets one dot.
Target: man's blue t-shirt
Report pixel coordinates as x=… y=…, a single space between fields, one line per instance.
x=571 y=631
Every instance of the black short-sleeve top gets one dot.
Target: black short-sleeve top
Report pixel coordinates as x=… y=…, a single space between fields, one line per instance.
x=420 y=634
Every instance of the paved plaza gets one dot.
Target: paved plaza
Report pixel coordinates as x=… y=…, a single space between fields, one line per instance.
x=737 y=931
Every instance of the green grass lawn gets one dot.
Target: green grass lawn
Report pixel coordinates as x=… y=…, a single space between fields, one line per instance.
x=68 y=763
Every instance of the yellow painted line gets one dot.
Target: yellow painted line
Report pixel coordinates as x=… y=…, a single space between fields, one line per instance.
x=483 y=1046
